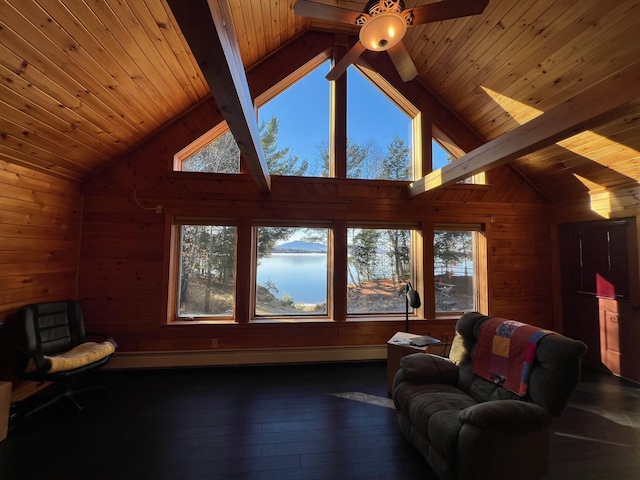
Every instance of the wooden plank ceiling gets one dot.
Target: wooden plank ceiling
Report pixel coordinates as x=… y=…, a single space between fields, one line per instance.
x=84 y=82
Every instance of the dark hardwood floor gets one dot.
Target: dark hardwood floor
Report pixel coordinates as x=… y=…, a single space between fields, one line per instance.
x=329 y=421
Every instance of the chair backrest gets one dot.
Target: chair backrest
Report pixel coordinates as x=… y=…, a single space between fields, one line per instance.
x=554 y=374
x=51 y=327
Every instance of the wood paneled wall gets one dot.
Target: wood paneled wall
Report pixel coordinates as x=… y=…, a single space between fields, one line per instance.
x=123 y=256
x=40 y=221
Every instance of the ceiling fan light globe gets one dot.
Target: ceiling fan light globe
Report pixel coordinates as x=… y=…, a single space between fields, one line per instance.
x=383 y=31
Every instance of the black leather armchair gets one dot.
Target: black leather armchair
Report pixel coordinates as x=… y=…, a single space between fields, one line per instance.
x=55 y=347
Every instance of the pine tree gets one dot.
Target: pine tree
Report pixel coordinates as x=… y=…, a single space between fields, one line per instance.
x=397 y=165
x=365 y=247
x=279 y=161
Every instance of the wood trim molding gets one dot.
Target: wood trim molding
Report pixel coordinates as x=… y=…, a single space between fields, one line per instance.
x=245 y=357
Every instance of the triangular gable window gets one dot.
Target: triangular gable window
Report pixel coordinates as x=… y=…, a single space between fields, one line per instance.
x=294 y=126
x=215 y=152
x=379 y=133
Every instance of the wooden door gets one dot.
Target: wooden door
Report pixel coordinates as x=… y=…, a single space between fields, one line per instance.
x=601 y=294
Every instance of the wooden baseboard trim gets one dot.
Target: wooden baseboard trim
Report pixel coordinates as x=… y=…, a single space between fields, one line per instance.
x=132 y=360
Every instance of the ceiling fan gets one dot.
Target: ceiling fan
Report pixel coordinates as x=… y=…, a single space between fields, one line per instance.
x=383 y=24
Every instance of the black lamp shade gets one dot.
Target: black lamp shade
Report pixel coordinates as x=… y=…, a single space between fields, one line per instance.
x=413 y=297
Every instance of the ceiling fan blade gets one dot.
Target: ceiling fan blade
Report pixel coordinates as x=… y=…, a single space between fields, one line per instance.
x=447 y=9
x=403 y=62
x=349 y=57
x=325 y=12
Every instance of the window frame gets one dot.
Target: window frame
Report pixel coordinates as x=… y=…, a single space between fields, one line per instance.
x=290 y=81
x=415 y=264
x=255 y=318
x=174 y=274
x=198 y=144
x=479 y=259
x=423 y=132
x=416 y=118
x=404 y=107
x=422 y=261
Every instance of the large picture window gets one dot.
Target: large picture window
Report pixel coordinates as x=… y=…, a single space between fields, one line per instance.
x=379 y=266
x=291 y=267
x=327 y=262
x=455 y=270
x=291 y=272
x=376 y=149
x=295 y=133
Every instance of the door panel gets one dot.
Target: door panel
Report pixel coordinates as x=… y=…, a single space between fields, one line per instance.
x=610 y=350
x=580 y=319
x=601 y=293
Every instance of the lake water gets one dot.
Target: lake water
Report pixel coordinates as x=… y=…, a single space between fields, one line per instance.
x=302 y=275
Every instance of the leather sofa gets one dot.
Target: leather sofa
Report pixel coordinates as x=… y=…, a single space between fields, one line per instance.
x=469 y=427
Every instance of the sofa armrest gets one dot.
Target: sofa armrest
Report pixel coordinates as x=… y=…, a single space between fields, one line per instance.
x=427 y=368
x=507 y=416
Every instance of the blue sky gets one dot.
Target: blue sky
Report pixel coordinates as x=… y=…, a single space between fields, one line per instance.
x=303 y=114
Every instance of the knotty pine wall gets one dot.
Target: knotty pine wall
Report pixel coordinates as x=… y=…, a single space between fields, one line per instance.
x=123 y=259
x=40 y=222
x=123 y=249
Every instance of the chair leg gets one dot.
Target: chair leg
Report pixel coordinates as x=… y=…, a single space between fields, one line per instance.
x=68 y=394
x=29 y=415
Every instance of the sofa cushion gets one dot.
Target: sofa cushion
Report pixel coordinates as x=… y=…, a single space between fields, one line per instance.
x=444 y=429
x=483 y=390
x=434 y=411
x=506 y=416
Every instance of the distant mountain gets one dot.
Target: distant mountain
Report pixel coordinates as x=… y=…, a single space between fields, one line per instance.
x=298 y=246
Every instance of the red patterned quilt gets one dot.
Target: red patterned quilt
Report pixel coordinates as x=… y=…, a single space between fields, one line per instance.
x=505 y=353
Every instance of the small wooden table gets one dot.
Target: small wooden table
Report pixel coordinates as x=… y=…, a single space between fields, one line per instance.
x=399 y=346
x=5 y=400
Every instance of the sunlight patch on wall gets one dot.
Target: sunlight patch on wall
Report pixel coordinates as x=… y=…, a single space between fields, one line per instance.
x=616 y=203
x=612 y=203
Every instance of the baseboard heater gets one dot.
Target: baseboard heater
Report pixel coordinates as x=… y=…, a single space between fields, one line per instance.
x=132 y=360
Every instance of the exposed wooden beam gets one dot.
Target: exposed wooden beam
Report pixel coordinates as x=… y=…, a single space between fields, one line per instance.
x=609 y=99
x=208 y=29
x=338 y=114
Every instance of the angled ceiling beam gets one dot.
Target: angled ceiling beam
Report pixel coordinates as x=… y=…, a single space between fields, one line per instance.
x=208 y=29
x=607 y=100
